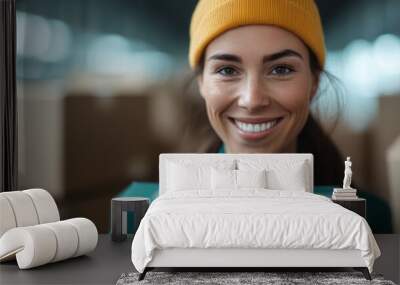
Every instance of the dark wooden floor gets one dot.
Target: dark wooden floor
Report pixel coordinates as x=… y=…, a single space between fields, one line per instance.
x=106 y=264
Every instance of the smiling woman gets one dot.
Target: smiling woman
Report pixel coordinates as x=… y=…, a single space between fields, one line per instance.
x=258 y=95
x=258 y=66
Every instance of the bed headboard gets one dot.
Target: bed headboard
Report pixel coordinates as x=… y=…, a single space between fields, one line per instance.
x=165 y=157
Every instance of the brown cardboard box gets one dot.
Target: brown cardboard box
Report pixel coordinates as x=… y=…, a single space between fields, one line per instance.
x=107 y=142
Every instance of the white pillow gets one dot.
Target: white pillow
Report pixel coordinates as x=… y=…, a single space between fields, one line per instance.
x=182 y=177
x=291 y=179
x=281 y=174
x=251 y=178
x=223 y=179
x=228 y=179
x=185 y=175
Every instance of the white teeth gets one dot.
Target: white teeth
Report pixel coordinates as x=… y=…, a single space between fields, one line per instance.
x=255 y=128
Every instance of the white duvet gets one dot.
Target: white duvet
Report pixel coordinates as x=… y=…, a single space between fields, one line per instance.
x=251 y=218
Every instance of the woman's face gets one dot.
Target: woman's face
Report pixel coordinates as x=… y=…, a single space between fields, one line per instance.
x=257 y=85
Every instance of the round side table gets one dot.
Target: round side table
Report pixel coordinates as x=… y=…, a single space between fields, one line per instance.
x=120 y=207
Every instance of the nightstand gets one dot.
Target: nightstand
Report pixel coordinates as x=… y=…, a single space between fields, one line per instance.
x=119 y=208
x=357 y=205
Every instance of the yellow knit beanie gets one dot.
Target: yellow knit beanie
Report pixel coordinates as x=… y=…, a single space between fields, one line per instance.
x=214 y=17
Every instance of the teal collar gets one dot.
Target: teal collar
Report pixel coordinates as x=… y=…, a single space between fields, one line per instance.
x=221 y=149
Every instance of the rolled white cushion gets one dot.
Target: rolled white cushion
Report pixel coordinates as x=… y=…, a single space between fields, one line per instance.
x=87 y=234
x=67 y=239
x=40 y=244
x=33 y=245
x=45 y=205
x=7 y=218
x=23 y=208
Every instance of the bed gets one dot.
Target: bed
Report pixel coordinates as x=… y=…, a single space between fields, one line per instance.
x=246 y=211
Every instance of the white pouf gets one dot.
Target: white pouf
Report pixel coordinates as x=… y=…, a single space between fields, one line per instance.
x=40 y=244
x=31 y=230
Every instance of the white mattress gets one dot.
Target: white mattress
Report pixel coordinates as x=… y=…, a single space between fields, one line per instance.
x=253 y=218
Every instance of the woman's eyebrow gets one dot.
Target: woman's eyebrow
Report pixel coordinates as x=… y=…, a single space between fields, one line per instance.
x=225 y=56
x=280 y=54
x=266 y=58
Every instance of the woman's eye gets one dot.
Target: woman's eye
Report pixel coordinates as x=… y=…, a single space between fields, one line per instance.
x=282 y=70
x=227 y=71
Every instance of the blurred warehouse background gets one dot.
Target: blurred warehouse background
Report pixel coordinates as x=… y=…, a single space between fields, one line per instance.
x=100 y=94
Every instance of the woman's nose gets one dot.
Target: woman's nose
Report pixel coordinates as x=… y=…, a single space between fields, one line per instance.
x=253 y=95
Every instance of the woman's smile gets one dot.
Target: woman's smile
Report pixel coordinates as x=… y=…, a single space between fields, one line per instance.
x=255 y=128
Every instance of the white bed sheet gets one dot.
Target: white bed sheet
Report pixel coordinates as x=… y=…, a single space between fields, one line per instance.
x=252 y=218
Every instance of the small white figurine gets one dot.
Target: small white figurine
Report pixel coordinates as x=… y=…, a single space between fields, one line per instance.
x=347 y=174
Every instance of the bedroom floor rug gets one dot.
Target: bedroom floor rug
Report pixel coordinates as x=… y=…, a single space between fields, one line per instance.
x=230 y=278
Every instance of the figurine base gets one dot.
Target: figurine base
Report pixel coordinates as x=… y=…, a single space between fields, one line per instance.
x=344 y=194
x=345 y=190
